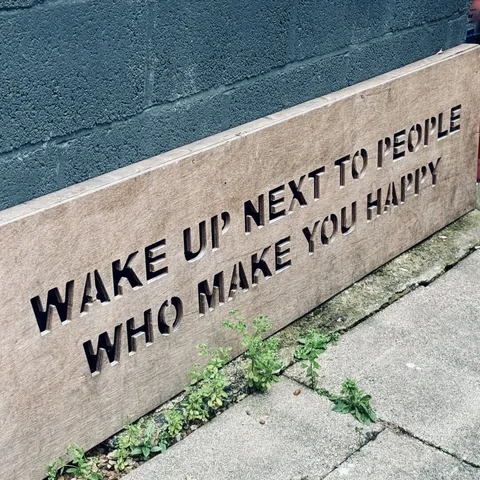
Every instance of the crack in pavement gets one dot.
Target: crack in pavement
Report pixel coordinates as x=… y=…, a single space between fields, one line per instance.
x=370 y=438
x=397 y=429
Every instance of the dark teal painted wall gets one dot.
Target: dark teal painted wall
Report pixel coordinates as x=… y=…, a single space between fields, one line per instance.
x=88 y=86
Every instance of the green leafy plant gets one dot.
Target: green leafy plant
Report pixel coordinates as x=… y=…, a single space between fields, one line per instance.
x=126 y=443
x=355 y=401
x=312 y=346
x=55 y=468
x=150 y=441
x=80 y=466
x=140 y=439
x=262 y=355
x=121 y=457
x=174 y=423
x=194 y=407
x=206 y=394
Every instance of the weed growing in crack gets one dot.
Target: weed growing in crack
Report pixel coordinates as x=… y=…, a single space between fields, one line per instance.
x=149 y=441
x=355 y=401
x=80 y=466
x=312 y=346
x=206 y=394
x=262 y=355
x=351 y=399
x=126 y=443
x=141 y=439
x=56 y=467
x=174 y=423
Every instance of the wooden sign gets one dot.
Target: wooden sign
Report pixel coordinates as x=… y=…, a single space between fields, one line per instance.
x=107 y=287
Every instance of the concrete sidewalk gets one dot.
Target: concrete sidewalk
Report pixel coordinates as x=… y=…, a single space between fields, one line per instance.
x=418 y=358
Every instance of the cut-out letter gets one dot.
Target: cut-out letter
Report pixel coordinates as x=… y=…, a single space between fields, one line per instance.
x=211 y=298
x=251 y=213
x=145 y=330
x=104 y=347
x=54 y=303
x=155 y=259
x=126 y=273
x=163 y=326
x=89 y=296
x=260 y=265
x=190 y=255
x=282 y=252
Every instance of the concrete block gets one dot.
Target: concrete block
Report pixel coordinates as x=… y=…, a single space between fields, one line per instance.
x=53 y=166
x=327 y=26
x=155 y=131
x=9 y=4
x=370 y=19
x=284 y=89
x=201 y=45
x=457 y=31
x=382 y=54
x=29 y=176
x=411 y=13
x=67 y=66
x=321 y=27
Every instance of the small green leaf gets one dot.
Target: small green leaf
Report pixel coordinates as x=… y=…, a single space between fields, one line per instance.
x=340 y=409
x=355 y=401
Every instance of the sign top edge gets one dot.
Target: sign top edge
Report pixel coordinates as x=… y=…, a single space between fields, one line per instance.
x=142 y=167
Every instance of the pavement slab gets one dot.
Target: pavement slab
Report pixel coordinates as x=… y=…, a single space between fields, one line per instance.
x=397 y=456
x=419 y=359
x=277 y=435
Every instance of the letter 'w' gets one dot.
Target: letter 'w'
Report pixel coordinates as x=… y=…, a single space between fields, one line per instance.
x=104 y=347
x=54 y=302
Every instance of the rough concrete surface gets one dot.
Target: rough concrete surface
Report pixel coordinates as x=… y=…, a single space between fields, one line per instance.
x=93 y=86
x=396 y=456
x=277 y=435
x=419 y=360
x=418 y=266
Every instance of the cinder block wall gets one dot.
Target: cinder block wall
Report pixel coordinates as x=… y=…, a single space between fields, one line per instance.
x=88 y=86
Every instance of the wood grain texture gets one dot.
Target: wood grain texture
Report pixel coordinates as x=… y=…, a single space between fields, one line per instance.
x=49 y=397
